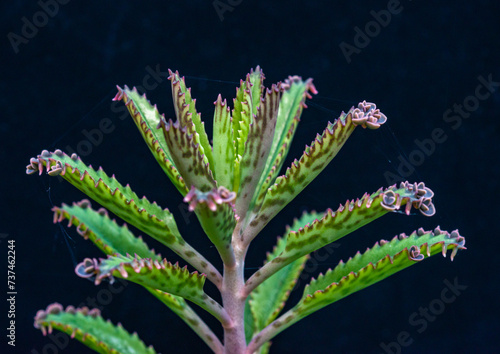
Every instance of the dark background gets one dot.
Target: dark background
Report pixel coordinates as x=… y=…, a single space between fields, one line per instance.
x=426 y=59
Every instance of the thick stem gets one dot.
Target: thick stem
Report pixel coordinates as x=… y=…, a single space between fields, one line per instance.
x=233 y=299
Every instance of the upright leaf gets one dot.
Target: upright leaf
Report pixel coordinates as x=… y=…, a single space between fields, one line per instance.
x=248 y=99
x=147 y=118
x=187 y=116
x=188 y=156
x=88 y=327
x=224 y=154
x=292 y=102
x=257 y=146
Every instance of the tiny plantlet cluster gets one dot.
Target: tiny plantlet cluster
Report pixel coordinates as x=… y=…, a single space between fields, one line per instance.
x=234 y=187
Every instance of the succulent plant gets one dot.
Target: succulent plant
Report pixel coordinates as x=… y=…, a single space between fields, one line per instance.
x=234 y=188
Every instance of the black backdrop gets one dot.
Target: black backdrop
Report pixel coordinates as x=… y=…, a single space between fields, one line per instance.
x=59 y=69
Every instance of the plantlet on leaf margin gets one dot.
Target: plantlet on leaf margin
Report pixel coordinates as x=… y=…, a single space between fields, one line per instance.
x=235 y=190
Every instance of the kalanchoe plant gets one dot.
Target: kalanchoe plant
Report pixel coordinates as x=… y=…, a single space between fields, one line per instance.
x=234 y=189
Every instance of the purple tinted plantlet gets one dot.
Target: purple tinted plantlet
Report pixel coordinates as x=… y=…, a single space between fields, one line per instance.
x=234 y=188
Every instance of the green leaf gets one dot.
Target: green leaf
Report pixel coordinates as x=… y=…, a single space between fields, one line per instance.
x=118 y=240
x=256 y=79
x=315 y=158
x=241 y=117
x=162 y=275
x=250 y=323
x=105 y=233
x=348 y=218
x=188 y=156
x=248 y=98
x=147 y=118
x=122 y=201
x=188 y=117
x=292 y=102
x=159 y=275
x=382 y=260
x=107 y=191
x=250 y=329
x=269 y=298
x=257 y=146
x=215 y=212
x=88 y=327
x=223 y=145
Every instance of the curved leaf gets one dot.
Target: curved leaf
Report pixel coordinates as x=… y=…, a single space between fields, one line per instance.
x=334 y=225
x=148 y=217
x=375 y=264
x=102 y=231
x=159 y=275
x=118 y=240
x=315 y=158
x=382 y=260
x=88 y=327
x=180 y=307
x=217 y=218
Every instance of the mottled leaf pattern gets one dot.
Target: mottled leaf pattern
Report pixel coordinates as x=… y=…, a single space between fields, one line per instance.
x=88 y=327
x=269 y=298
x=147 y=118
x=292 y=102
x=188 y=117
x=381 y=261
x=215 y=212
x=188 y=156
x=224 y=154
x=118 y=240
x=123 y=202
x=248 y=99
x=159 y=275
x=315 y=158
x=257 y=147
x=120 y=200
x=105 y=233
x=234 y=189
x=334 y=225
